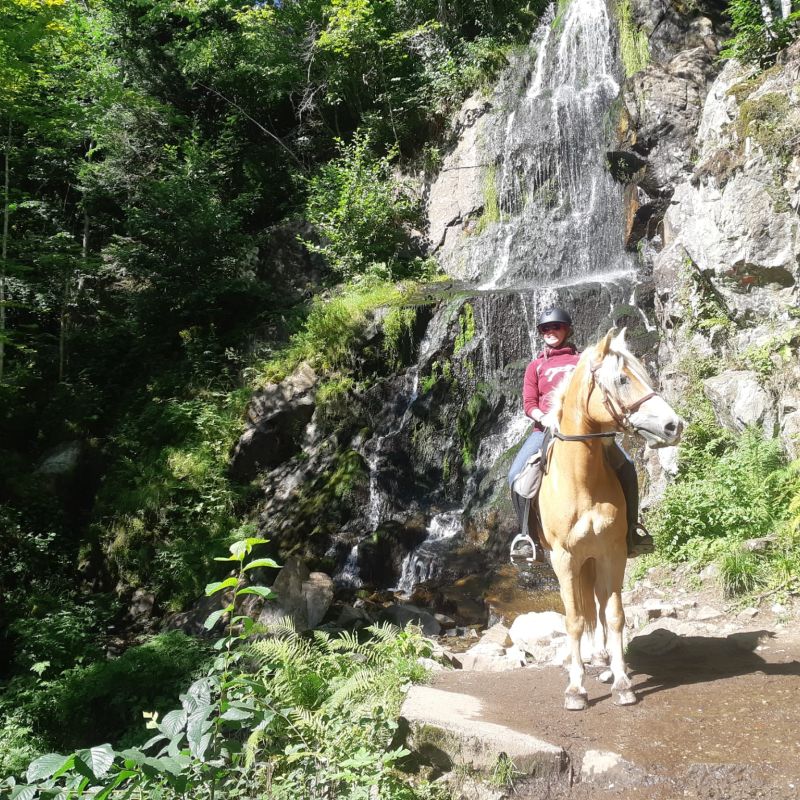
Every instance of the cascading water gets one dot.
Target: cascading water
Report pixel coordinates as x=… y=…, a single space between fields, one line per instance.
x=556 y=238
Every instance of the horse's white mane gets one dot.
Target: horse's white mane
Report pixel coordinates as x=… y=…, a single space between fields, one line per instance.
x=617 y=357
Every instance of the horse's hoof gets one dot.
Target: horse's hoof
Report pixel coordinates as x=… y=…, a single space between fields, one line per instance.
x=606 y=676
x=576 y=701
x=624 y=698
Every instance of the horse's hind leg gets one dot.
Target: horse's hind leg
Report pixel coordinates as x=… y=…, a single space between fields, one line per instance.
x=621 y=689
x=590 y=588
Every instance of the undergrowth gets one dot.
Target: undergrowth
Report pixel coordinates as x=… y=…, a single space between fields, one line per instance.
x=287 y=716
x=732 y=488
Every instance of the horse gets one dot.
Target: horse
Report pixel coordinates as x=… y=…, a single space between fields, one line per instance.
x=582 y=507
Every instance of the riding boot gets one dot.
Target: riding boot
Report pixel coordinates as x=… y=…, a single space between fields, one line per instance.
x=519 y=503
x=638 y=544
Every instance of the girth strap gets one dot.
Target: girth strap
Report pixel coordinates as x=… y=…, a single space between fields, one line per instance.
x=583 y=437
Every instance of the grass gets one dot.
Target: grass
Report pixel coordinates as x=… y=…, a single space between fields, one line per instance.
x=634 y=45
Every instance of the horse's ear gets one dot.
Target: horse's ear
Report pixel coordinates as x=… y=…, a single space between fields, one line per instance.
x=604 y=345
x=618 y=344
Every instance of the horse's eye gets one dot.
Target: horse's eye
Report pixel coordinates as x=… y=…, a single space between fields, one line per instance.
x=624 y=380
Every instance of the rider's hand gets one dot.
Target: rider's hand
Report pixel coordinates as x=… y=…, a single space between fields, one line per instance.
x=549 y=421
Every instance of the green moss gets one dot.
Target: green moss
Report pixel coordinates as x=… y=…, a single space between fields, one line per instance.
x=491 y=202
x=466 y=325
x=333 y=326
x=397 y=323
x=771 y=122
x=634 y=45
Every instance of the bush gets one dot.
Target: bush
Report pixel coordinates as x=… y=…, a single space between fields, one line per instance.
x=361 y=212
x=754 y=41
x=730 y=489
x=730 y=496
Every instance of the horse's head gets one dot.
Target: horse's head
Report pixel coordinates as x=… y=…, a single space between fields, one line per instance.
x=620 y=393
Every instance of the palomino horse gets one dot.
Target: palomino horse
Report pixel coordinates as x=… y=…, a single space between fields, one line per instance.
x=582 y=506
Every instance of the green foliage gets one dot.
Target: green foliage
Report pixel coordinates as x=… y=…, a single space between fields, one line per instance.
x=397 y=323
x=469 y=424
x=491 y=201
x=730 y=489
x=360 y=212
x=634 y=44
x=754 y=41
x=270 y=718
x=332 y=326
x=767 y=358
x=466 y=328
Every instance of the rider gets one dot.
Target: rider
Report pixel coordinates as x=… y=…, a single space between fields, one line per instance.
x=556 y=361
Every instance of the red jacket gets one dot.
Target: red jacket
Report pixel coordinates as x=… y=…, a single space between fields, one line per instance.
x=544 y=373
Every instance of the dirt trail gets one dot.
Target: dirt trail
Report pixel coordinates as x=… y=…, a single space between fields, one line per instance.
x=718 y=716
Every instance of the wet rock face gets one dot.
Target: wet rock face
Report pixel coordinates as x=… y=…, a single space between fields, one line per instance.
x=277 y=417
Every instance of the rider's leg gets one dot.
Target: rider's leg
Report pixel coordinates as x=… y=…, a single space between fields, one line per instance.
x=626 y=472
x=529 y=447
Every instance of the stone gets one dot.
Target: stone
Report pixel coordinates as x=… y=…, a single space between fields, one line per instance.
x=401 y=614
x=430 y=664
x=62 y=460
x=289 y=598
x=456 y=195
x=705 y=613
x=277 y=417
x=350 y=617
x=530 y=631
x=762 y=544
x=486 y=657
x=656 y=608
x=447 y=730
x=318 y=593
x=141 y=606
x=497 y=634
x=739 y=400
x=790 y=434
x=603 y=765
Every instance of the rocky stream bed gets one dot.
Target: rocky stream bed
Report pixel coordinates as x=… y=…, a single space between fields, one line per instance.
x=717 y=714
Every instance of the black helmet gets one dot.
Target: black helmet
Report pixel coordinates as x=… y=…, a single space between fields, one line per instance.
x=554 y=315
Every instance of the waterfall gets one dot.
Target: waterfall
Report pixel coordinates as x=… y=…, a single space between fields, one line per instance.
x=423 y=563
x=556 y=238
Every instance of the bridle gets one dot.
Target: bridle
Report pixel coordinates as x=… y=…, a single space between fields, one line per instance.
x=620 y=413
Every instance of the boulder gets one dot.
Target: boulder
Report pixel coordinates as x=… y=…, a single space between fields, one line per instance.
x=739 y=400
x=318 y=594
x=608 y=767
x=277 y=417
x=290 y=601
x=403 y=614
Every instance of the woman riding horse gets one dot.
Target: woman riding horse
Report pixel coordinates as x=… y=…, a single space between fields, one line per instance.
x=583 y=512
x=543 y=375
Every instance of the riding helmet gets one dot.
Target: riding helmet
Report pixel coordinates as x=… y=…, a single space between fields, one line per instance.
x=554 y=315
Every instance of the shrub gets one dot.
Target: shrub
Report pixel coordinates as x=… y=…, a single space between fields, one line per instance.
x=718 y=497
x=754 y=40
x=360 y=210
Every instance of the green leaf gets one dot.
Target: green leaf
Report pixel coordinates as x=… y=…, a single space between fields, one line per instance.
x=118 y=779
x=23 y=792
x=159 y=737
x=261 y=562
x=99 y=759
x=218 y=586
x=261 y=591
x=45 y=766
x=213 y=618
x=173 y=723
x=236 y=714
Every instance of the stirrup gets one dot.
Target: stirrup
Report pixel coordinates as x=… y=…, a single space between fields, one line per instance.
x=518 y=551
x=640 y=545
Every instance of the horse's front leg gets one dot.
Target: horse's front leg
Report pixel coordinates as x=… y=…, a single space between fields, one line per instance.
x=612 y=574
x=567 y=571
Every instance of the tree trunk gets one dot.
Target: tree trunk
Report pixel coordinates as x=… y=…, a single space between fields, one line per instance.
x=4 y=254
